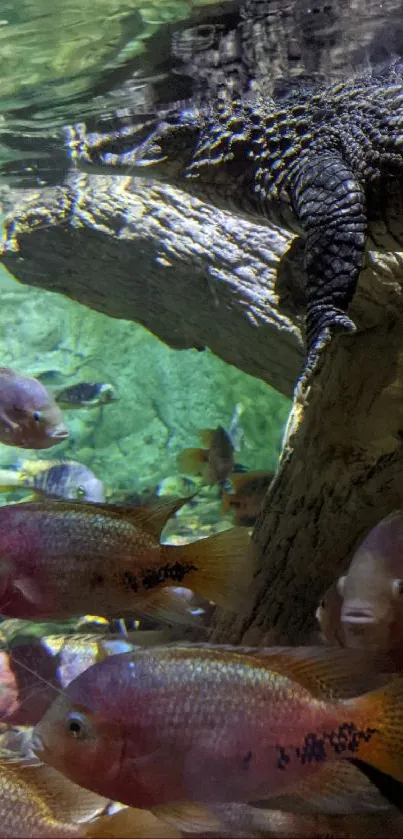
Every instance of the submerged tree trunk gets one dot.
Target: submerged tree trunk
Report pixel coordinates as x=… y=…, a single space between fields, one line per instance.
x=194 y=276
x=201 y=278
x=341 y=472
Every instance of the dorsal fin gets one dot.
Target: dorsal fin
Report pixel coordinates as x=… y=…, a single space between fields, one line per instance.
x=153 y=516
x=328 y=672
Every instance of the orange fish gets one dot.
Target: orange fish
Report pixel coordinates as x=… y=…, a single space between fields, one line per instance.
x=371 y=593
x=215 y=462
x=29 y=416
x=328 y=615
x=70 y=558
x=247 y=499
x=209 y=724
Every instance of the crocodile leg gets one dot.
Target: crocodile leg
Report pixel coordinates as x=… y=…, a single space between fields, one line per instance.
x=330 y=204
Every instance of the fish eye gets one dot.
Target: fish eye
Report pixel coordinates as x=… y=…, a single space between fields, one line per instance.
x=80 y=492
x=77 y=725
x=37 y=416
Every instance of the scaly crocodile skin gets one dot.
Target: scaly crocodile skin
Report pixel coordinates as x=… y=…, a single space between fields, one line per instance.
x=327 y=164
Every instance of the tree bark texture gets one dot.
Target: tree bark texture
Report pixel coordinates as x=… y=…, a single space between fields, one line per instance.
x=341 y=470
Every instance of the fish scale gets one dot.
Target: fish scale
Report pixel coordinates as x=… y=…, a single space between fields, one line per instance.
x=70 y=558
x=210 y=724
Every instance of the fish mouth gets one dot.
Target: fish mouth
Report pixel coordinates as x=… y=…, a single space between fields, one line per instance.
x=358 y=617
x=59 y=433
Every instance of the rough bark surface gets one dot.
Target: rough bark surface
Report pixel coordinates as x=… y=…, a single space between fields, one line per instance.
x=341 y=472
x=193 y=276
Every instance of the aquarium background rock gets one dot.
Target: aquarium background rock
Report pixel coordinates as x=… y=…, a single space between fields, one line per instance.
x=164 y=395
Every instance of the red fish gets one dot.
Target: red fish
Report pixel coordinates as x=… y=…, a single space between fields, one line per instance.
x=215 y=462
x=249 y=493
x=29 y=416
x=209 y=724
x=71 y=558
x=364 y=608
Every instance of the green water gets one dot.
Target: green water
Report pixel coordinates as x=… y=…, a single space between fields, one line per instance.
x=164 y=396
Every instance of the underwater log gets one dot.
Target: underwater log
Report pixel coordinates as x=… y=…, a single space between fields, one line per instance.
x=341 y=469
x=146 y=252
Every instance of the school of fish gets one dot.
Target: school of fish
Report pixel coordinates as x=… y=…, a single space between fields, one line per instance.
x=111 y=730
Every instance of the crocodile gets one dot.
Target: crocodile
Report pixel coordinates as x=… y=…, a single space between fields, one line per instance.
x=325 y=164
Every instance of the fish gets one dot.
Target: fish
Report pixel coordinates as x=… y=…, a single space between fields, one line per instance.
x=29 y=416
x=178 y=605
x=328 y=615
x=249 y=493
x=64 y=479
x=207 y=724
x=31 y=674
x=215 y=462
x=371 y=592
x=39 y=803
x=62 y=559
x=86 y=395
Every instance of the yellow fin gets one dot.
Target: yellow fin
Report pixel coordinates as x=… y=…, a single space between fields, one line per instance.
x=130 y=823
x=192 y=461
x=224 y=566
x=188 y=817
x=170 y=605
x=327 y=672
x=151 y=517
x=382 y=710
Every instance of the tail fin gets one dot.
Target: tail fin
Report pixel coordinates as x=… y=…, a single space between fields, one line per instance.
x=389 y=788
x=381 y=716
x=223 y=566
